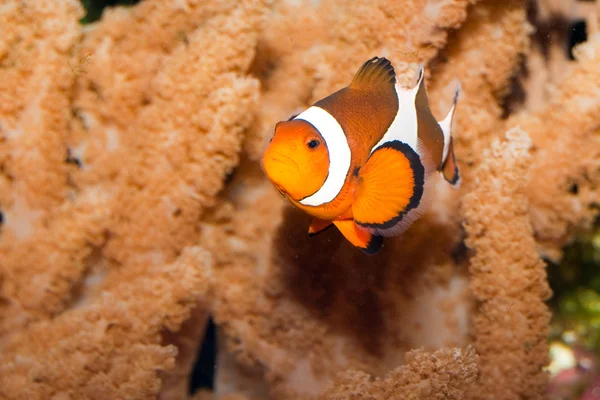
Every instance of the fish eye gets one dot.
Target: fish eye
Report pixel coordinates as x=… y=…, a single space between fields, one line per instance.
x=313 y=144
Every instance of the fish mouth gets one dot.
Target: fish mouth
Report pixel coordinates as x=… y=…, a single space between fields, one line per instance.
x=276 y=166
x=268 y=164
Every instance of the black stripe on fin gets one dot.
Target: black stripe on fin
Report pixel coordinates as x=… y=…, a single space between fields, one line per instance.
x=455 y=177
x=375 y=244
x=418 y=187
x=375 y=72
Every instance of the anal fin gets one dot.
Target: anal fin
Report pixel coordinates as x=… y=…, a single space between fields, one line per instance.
x=317 y=226
x=359 y=237
x=390 y=189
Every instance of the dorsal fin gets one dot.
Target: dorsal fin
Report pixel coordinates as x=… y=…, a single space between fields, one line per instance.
x=376 y=72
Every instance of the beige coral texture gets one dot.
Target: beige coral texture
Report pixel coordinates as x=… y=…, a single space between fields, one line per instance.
x=134 y=206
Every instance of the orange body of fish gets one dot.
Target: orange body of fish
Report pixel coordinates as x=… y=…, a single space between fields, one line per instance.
x=363 y=157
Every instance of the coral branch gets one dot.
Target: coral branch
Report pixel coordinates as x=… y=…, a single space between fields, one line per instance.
x=35 y=83
x=565 y=175
x=128 y=203
x=89 y=352
x=45 y=237
x=508 y=279
x=182 y=154
x=440 y=375
x=484 y=75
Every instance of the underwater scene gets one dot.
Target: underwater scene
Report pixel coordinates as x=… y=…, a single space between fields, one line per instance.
x=300 y=199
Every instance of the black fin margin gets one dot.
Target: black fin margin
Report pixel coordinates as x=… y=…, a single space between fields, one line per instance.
x=418 y=187
x=375 y=244
x=456 y=177
x=455 y=180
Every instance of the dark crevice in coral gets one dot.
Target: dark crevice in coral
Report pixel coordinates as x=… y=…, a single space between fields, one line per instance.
x=71 y=183
x=577 y=34
x=96 y=89
x=70 y=159
x=230 y=176
x=550 y=31
x=92 y=274
x=532 y=11
x=203 y=372
x=439 y=59
x=574 y=189
x=460 y=253
x=95 y=8
x=264 y=64
x=540 y=34
x=183 y=37
x=555 y=28
x=516 y=96
x=77 y=114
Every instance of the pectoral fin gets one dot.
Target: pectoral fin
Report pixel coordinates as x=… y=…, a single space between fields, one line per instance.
x=360 y=237
x=317 y=226
x=390 y=189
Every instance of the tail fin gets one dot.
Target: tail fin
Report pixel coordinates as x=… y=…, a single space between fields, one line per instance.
x=450 y=170
x=449 y=167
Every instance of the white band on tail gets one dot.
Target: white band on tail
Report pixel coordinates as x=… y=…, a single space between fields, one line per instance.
x=446 y=124
x=339 y=155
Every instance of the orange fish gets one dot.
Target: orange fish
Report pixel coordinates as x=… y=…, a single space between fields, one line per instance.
x=363 y=157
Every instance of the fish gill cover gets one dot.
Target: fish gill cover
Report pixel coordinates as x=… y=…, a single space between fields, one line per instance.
x=134 y=207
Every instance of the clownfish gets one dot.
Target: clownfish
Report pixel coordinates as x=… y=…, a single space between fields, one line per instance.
x=361 y=158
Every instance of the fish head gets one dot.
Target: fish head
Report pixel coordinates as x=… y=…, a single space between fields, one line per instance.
x=296 y=161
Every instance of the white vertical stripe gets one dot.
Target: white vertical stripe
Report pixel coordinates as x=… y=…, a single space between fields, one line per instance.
x=405 y=126
x=339 y=155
